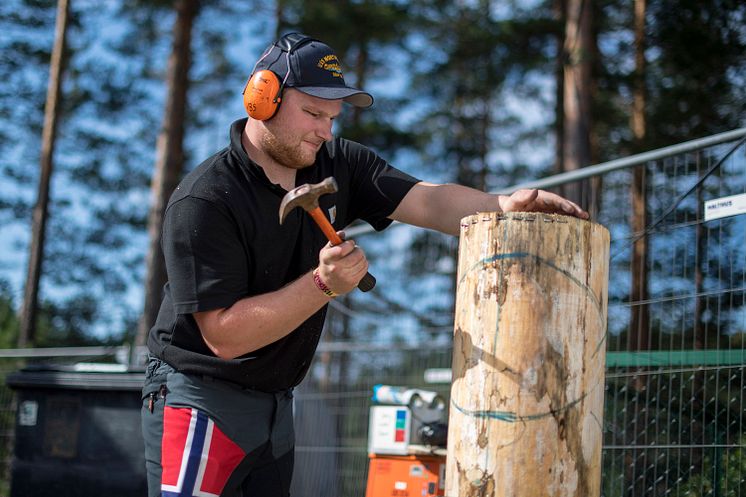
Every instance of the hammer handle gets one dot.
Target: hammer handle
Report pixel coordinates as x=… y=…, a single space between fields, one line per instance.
x=326 y=226
x=368 y=282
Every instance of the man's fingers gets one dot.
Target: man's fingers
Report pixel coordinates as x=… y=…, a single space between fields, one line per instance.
x=341 y=250
x=342 y=266
x=343 y=255
x=523 y=198
x=520 y=200
x=572 y=208
x=543 y=201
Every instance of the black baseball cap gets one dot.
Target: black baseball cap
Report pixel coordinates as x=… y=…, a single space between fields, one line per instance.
x=314 y=69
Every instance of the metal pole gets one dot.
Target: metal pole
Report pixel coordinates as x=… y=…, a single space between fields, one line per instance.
x=602 y=168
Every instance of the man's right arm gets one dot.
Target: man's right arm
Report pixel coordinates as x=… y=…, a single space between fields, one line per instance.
x=253 y=322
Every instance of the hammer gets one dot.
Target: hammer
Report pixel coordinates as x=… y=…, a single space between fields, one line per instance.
x=307 y=196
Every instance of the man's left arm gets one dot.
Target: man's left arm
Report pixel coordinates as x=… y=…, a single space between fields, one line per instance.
x=441 y=207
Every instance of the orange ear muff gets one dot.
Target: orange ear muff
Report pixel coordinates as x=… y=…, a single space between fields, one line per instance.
x=261 y=96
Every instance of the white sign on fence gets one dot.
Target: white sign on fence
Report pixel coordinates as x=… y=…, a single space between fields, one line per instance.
x=725 y=206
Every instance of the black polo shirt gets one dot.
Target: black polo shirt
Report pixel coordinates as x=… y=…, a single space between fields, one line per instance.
x=222 y=242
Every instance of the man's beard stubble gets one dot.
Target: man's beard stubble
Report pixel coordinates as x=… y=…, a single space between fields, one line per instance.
x=287 y=155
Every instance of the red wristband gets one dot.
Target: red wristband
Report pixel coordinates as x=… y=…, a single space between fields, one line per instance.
x=321 y=285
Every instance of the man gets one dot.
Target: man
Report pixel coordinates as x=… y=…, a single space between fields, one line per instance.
x=246 y=299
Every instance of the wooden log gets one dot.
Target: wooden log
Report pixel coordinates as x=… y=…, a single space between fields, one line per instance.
x=526 y=413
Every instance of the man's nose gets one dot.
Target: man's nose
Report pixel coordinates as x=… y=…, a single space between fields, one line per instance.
x=324 y=130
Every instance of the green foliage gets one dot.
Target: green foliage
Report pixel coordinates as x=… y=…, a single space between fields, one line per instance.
x=367 y=37
x=8 y=318
x=88 y=247
x=698 y=485
x=654 y=413
x=451 y=82
x=696 y=75
x=694 y=79
x=725 y=479
x=59 y=325
x=112 y=104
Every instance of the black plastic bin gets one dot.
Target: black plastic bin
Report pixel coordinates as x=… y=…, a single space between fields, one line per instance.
x=77 y=433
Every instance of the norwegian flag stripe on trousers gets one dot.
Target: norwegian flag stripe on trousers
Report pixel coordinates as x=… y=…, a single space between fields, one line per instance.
x=197 y=457
x=208 y=438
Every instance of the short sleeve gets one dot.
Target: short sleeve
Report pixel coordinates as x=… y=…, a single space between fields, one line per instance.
x=376 y=187
x=206 y=264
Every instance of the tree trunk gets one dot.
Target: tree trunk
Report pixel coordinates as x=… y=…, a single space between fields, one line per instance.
x=639 y=323
x=39 y=223
x=595 y=183
x=169 y=159
x=577 y=95
x=528 y=357
x=639 y=336
x=558 y=7
x=280 y=23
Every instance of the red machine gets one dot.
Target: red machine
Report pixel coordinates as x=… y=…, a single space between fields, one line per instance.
x=406 y=476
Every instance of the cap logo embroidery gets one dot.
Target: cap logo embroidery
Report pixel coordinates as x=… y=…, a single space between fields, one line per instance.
x=331 y=64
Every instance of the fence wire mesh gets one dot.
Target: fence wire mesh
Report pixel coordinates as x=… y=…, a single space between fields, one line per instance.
x=674 y=391
x=674 y=408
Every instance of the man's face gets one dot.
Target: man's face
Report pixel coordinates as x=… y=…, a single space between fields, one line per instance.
x=299 y=129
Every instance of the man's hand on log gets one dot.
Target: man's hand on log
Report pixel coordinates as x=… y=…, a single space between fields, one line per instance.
x=540 y=201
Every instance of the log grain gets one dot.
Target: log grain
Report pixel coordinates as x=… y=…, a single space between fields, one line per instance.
x=526 y=412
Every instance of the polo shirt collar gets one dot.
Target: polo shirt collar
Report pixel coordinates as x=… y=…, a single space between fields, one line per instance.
x=304 y=175
x=243 y=158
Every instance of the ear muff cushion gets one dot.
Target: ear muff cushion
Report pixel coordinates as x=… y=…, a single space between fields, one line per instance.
x=261 y=96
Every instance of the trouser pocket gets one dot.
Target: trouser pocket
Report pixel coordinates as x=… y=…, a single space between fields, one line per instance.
x=154 y=388
x=154 y=393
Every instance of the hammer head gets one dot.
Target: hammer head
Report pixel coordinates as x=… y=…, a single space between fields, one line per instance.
x=306 y=196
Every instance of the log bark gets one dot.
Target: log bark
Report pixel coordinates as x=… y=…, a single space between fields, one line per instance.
x=528 y=357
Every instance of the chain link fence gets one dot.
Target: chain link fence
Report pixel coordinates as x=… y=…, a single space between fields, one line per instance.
x=674 y=408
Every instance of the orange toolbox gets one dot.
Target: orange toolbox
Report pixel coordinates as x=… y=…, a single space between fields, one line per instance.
x=406 y=476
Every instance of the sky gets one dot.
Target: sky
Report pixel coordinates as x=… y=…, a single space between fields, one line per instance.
x=248 y=46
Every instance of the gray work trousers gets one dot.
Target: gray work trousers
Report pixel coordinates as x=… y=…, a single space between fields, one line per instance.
x=209 y=437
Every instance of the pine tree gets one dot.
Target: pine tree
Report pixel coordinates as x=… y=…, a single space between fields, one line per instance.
x=49 y=134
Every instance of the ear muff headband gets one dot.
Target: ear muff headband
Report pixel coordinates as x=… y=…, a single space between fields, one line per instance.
x=262 y=94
